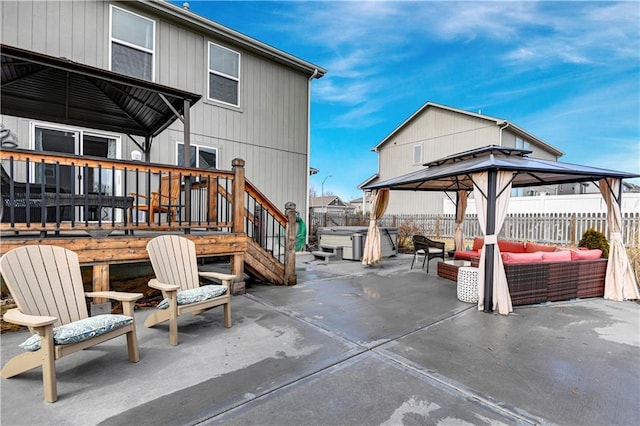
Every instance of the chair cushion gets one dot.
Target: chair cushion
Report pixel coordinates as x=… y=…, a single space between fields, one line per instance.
x=586 y=254
x=466 y=254
x=534 y=247
x=186 y=297
x=435 y=250
x=556 y=256
x=521 y=257
x=511 y=246
x=79 y=331
x=478 y=242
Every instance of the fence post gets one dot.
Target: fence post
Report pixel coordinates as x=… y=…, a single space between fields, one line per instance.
x=290 y=245
x=237 y=261
x=572 y=229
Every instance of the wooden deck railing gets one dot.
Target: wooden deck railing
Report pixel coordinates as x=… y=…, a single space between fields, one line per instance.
x=47 y=192
x=52 y=192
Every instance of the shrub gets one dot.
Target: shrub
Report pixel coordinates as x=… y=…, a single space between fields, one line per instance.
x=594 y=239
x=406 y=230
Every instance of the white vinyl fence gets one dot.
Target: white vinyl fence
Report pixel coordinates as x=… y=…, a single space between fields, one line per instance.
x=554 y=228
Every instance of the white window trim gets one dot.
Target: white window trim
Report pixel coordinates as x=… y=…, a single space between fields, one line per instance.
x=197 y=147
x=131 y=45
x=210 y=71
x=419 y=160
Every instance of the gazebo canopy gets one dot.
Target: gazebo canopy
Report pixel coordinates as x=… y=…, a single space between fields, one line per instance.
x=454 y=173
x=492 y=171
x=45 y=87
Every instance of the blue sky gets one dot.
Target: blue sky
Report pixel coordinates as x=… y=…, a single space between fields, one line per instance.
x=567 y=72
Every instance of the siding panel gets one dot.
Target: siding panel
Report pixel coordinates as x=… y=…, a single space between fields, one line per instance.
x=269 y=130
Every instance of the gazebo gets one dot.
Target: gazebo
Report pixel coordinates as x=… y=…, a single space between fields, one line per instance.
x=490 y=172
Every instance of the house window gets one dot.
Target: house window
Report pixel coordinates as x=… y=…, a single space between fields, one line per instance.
x=132 y=44
x=224 y=75
x=66 y=140
x=202 y=157
x=417 y=154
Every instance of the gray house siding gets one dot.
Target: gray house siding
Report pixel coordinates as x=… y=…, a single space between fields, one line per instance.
x=268 y=129
x=440 y=132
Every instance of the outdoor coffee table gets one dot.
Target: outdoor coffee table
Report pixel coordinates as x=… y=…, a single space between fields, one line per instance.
x=449 y=268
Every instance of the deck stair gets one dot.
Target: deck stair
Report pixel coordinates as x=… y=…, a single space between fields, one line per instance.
x=327 y=252
x=260 y=263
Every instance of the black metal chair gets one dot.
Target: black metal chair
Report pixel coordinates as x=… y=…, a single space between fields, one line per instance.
x=427 y=248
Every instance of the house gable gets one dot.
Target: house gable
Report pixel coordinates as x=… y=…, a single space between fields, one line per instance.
x=436 y=131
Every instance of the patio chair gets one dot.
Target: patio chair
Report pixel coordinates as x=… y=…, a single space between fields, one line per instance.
x=166 y=200
x=46 y=285
x=174 y=262
x=427 y=248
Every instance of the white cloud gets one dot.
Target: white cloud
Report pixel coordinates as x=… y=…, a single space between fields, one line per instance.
x=364 y=44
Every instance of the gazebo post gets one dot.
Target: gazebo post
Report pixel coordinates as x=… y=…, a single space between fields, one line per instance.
x=490 y=230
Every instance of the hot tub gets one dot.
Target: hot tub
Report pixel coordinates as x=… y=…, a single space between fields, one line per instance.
x=352 y=240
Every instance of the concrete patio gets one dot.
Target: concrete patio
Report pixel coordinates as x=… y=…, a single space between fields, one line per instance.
x=353 y=345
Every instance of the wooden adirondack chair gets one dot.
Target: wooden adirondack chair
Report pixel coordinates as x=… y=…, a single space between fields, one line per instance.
x=174 y=262
x=46 y=284
x=166 y=200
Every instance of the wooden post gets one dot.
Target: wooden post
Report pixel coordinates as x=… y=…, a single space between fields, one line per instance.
x=572 y=229
x=290 y=245
x=237 y=261
x=238 y=195
x=100 y=281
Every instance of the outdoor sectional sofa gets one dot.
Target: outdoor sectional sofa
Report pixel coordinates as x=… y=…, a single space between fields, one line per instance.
x=538 y=273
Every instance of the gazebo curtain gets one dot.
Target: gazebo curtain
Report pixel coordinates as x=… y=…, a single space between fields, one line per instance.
x=461 y=209
x=620 y=281
x=501 y=297
x=372 y=248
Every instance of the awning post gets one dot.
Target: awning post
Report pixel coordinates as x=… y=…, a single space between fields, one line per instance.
x=187 y=158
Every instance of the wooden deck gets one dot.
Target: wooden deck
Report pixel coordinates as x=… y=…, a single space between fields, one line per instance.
x=221 y=212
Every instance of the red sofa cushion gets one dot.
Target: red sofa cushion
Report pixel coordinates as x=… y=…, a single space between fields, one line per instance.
x=478 y=242
x=534 y=247
x=511 y=246
x=514 y=258
x=586 y=254
x=556 y=256
x=466 y=254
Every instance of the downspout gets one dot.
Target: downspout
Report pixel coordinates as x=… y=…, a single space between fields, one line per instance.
x=505 y=124
x=306 y=217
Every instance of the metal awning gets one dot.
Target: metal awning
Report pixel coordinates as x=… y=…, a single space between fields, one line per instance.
x=454 y=173
x=59 y=90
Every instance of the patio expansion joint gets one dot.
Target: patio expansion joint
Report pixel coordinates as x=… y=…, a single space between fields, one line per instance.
x=298 y=317
x=519 y=416
x=443 y=381
x=376 y=350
